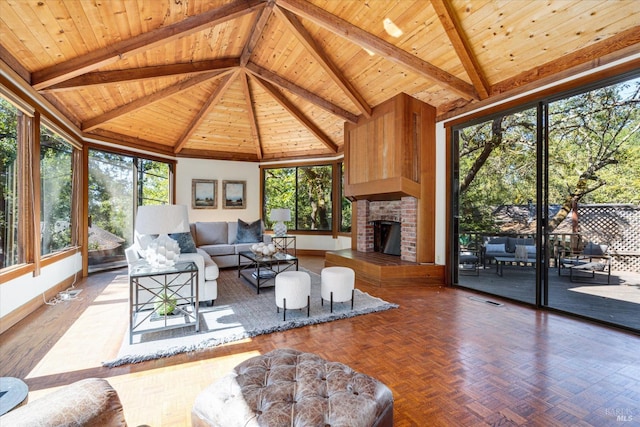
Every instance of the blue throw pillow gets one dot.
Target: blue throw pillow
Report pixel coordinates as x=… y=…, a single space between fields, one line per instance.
x=185 y=241
x=249 y=232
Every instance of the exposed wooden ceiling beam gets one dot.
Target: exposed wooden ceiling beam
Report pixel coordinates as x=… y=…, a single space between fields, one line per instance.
x=461 y=45
x=14 y=64
x=536 y=90
x=367 y=40
x=204 y=111
x=277 y=80
x=130 y=142
x=145 y=41
x=297 y=114
x=148 y=100
x=216 y=155
x=119 y=76
x=256 y=33
x=323 y=60
x=253 y=123
x=587 y=58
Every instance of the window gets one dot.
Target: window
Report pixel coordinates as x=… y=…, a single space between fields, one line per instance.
x=56 y=190
x=305 y=190
x=11 y=252
x=313 y=201
x=153 y=182
x=279 y=192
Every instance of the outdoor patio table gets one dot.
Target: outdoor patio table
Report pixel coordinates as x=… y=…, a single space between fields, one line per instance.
x=502 y=260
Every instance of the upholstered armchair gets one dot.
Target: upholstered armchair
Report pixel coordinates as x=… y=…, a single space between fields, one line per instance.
x=173 y=220
x=88 y=402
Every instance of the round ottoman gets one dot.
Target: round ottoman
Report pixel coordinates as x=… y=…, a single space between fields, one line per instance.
x=287 y=387
x=337 y=285
x=293 y=291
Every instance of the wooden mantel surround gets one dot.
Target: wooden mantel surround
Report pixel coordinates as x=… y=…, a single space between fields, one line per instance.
x=388 y=157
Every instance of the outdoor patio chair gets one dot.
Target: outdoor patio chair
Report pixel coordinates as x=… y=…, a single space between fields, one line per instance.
x=469 y=263
x=593 y=259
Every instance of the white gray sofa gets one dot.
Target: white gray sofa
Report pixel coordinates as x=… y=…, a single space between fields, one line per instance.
x=221 y=241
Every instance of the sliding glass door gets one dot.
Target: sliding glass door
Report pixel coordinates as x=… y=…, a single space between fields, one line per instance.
x=496 y=212
x=547 y=203
x=594 y=194
x=118 y=184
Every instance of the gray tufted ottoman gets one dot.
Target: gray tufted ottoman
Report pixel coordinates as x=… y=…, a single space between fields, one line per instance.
x=287 y=387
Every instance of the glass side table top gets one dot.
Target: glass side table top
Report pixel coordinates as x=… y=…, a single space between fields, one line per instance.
x=142 y=268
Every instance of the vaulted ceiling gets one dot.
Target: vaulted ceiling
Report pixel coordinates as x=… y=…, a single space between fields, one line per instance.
x=265 y=80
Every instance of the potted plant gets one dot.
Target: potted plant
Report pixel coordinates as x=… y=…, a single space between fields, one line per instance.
x=165 y=305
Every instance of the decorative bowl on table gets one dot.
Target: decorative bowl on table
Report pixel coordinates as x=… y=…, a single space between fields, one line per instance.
x=263 y=249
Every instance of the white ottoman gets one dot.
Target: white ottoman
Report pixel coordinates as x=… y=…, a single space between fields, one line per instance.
x=337 y=285
x=293 y=291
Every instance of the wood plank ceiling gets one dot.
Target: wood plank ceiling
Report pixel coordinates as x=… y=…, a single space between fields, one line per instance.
x=270 y=80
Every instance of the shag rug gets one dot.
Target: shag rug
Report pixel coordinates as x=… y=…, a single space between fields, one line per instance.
x=240 y=313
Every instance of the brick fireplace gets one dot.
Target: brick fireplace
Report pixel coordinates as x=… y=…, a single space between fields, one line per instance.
x=390 y=164
x=403 y=211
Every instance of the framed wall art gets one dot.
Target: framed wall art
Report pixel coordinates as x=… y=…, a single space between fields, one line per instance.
x=234 y=194
x=203 y=194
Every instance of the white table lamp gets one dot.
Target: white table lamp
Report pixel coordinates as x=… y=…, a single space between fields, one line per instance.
x=162 y=220
x=280 y=215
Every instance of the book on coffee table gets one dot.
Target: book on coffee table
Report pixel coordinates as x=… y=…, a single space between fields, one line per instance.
x=264 y=274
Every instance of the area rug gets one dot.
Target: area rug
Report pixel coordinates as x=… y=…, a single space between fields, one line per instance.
x=239 y=313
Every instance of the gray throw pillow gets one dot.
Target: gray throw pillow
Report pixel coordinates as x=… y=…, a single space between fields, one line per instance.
x=249 y=232
x=211 y=233
x=185 y=241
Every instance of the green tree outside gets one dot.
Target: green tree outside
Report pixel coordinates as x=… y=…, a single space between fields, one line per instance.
x=594 y=156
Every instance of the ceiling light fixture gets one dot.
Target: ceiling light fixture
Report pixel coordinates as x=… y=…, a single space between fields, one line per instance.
x=392 y=29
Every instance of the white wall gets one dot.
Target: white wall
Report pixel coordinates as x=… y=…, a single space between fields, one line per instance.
x=188 y=169
x=17 y=292
x=324 y=243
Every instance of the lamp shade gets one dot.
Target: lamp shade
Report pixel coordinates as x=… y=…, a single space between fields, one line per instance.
x=280 y=215
x=162 y=219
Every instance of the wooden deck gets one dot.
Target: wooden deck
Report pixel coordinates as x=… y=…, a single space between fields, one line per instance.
x=382 y=270
x=617 y=302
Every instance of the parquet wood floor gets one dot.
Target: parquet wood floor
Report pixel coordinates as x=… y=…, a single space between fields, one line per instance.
x=450 y=360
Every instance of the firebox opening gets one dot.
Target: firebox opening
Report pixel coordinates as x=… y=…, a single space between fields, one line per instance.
x=387 y=237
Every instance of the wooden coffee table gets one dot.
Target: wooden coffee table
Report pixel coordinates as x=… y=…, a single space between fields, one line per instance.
x=13 y=393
